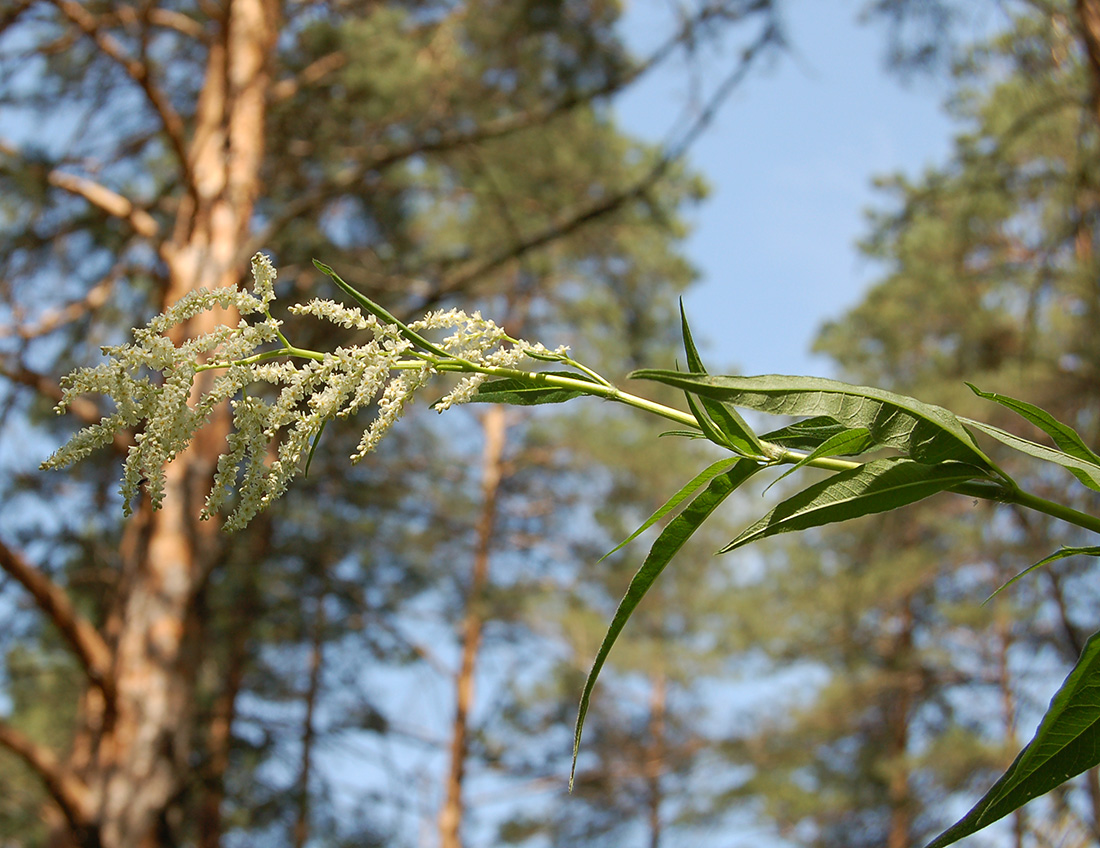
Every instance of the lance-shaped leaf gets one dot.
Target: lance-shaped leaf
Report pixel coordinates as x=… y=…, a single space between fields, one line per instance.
x=929 y=434
x=1066 y=744
x=845 y=443
x=1065 y=437
x=690 y=488
x=1087 y=472
x=670 y=540
x=737 y=433
x=529 y=392
x=877 y=486
x=1061 y=553
x=380 y=312
x=807 y=434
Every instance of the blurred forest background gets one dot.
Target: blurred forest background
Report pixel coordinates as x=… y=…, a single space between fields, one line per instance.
x=392 y=654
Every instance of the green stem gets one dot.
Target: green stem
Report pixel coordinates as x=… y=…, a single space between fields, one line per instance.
x=986 y=490
x=607 y=392
x=1056 y=510
x=289 y=350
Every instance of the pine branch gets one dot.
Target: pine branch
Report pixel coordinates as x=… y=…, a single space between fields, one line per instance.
x=309 y=75
x=58 y=316
x=67 y=790
x=444 y=139
x=109 y=201
x=161 y=18
x=674 y=151
x=98 y=195
x=87 y=643
x=138 y=71
x=82 y=408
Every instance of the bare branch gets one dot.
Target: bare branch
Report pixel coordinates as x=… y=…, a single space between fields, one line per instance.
x=136 y=70
x=163 y=18
x=58 y=316
x=309 y=75
x=674 y=151
x=88 y=645
x=441 y=140
x=66 y=788
x=109 y=201
x=82 y=408
x=12 y=13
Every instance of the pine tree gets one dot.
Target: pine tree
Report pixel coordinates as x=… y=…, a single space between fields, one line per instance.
x=435 y=151
x=989 y=277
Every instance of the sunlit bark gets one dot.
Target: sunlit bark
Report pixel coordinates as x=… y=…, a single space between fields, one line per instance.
x=494 y=430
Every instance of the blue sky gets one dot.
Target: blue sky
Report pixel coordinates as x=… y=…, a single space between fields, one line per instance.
x=790 y=161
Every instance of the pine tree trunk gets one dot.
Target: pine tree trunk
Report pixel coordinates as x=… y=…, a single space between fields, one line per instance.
x=138 y=747
x=898 y=714
x=494 y=428
x=1088 y=30
x=313 y=688
x=654 y=766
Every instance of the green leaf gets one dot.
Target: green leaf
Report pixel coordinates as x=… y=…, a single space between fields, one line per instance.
x=1066 y=744
x=313 y=448
x=381 y=313
x=845 y=443
x=807 y=434
x=877 y=486
x=738 y=434
x=1064 y=436
x=671 y=539
x=929 y=434
x=529 y=392
x=1061 y=553
x=684 y=434
x=693 y=486
x=1087 y=472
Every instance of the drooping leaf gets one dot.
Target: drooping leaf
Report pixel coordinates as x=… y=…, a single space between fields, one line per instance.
x=1066 y=744
x=690 y=488
x=1061 y=553
x=845 y=443
x=527 y=393
x=1065 y=437
x=1087 y=472
x=877 y=486
x=670 y=540
x=929 y=434
x=738 y=434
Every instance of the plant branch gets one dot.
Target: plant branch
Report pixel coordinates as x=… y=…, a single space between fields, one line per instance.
x=442 y=139
x=66 y=788
x=162 y=18
x=89 y=646
x=98 y=195
x=674 y=151
x=82 y=408
x=984 y=489
x=137 y=71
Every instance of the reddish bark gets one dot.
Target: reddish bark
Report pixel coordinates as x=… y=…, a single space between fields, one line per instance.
x=130 y=759
x=494 y=427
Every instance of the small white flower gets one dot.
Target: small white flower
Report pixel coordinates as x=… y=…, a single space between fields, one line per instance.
x=170 y=390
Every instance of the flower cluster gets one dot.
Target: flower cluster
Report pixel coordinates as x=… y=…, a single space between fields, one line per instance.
x=167 y=390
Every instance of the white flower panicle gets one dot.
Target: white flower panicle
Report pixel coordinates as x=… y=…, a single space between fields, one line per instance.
x=279 y=396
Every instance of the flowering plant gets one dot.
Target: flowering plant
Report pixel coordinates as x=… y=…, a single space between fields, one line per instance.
x=928 y=449
x=312 y=386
